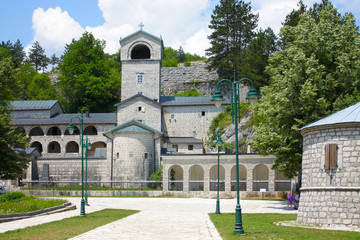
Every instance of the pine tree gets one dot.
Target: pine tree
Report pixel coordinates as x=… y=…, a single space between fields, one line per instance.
x=37 y=56
x=233 y=26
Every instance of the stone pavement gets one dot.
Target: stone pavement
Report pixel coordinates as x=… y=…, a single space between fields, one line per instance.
x=159 y=218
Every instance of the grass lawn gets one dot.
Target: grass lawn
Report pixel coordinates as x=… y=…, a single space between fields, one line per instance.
x=17 y=202
x=69 y=227
x=260 y=226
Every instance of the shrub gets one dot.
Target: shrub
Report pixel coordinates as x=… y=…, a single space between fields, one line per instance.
x=12 y=196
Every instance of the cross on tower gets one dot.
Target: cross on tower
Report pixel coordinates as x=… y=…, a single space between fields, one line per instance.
x=141 y=26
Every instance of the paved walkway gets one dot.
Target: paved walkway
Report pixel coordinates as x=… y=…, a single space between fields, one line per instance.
x=159 y=218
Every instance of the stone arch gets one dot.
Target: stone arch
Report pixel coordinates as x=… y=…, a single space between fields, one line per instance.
x=76 y=131
x=242 y=178
x=90 y=130
x=140 y=51
x=54 y=147
x=282 y=183
x=20 y=130
x=99 y=153
x=37 y=145
x=176 y=178
x=36 y=131
x=260 y=177
x=53 y=131
x=196 y=178
x=214 y=178
x=72 y=147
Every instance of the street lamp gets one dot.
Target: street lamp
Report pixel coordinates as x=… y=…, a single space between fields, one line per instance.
x=87 y=147
x=218 y=144
x=71 y=129
x=235 y=111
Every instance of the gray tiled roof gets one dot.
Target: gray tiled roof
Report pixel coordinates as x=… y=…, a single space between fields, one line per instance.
x=182 y=140
x=347 y=115
x=33 y=105
x=95 y=118
x=185 y=101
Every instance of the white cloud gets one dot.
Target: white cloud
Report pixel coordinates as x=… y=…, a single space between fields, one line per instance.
x=179 y=22
x=54 y=28
x=198 y=42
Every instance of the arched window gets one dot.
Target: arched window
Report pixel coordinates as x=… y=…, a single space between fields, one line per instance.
x=36 y=131
x=98 y=149
x=90 y=130
x=196 y=181
x=242 y=178
x=260 y=177
x=54 y=131
x=176 y=180
x=140 y=51
x=282 y=183
x=72 y=147
x=76 y=131
x=54 y=147
x=37 y=145
x=214 y=178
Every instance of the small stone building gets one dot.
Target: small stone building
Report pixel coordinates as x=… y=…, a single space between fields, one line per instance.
x=330 y=190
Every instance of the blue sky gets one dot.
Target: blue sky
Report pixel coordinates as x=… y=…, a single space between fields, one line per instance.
x=55 y=23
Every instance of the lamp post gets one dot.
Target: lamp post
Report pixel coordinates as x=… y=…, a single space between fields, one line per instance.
x=218 y=144
x=235 y=111
x=71 y=129
x=87 y=147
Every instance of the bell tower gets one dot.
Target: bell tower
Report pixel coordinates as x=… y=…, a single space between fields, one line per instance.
x=141 y=58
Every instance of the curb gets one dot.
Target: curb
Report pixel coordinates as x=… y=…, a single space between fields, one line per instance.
x=18 y=216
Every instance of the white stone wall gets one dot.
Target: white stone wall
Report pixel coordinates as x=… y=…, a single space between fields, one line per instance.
x=183 y=148
x=331 y=198
x=150 y=86
x=130 y=162
x=188 y=121
x=68 y=171
x=150 y=112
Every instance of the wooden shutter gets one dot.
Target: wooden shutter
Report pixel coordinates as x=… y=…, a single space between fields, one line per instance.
x=333 y=156
x=330 y=156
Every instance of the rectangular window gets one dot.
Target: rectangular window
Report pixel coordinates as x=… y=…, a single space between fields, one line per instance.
x=117 y=155
x=172 y=116
x=139 y=108
x=139 y=78
x=190 y=147
x=331 y=156
x=203 y=113
x=175 y=148
x=146 y=155
x=140 y=93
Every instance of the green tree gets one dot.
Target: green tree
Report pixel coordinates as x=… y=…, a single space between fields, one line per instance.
x=315 y=75
x=54 y=60
x=86 y=79
x=16 y=51
x=180 y=55
x=260 y=49
x=37 y=56
x=25 y=76
x=169 y=58
x=233 y=25
x=12 y=161
x=41 y=88
x=189 y=93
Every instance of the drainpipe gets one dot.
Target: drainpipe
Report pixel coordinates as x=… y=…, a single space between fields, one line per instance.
x=111 y=160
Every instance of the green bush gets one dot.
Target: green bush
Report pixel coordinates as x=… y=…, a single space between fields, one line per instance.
x=12 y=196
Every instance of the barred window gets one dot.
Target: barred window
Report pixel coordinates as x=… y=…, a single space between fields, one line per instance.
x=140 y=78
